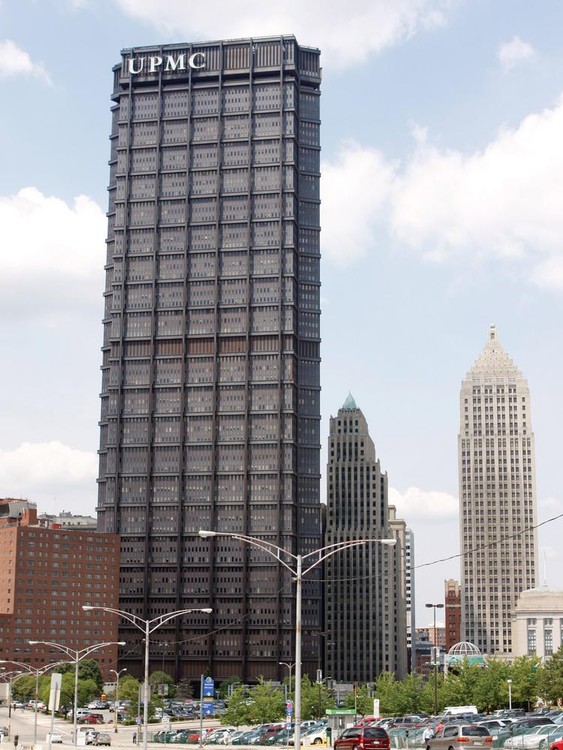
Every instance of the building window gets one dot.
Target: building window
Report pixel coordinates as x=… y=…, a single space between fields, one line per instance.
x=548 y=642
x=531 y=642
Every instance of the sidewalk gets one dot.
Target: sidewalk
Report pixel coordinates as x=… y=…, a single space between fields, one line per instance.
x=22 y=724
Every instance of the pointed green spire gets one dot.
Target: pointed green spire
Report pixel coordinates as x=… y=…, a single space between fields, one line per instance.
x=349 y=404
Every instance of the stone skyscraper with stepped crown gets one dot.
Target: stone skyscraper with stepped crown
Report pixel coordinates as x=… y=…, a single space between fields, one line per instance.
x=365 y=596
x=498 y=536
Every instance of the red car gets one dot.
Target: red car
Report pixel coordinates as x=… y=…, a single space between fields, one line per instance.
x=363 y=738
x=558 y=745
x=91 y=719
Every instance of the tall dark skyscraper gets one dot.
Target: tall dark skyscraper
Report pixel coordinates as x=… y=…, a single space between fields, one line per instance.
x=210 y=389
x=365 y=607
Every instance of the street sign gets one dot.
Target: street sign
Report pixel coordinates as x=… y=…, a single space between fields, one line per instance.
x=208 y=687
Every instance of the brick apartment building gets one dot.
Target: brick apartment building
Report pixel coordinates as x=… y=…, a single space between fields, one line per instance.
x=46 y=575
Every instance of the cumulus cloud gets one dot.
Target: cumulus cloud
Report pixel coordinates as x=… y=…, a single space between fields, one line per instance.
x=56 y=251
x=44 y=466
x=513 y=52
x=501 y=203
x=355 y=186
x=15 y=62
x=347 y=33
x=415 y=504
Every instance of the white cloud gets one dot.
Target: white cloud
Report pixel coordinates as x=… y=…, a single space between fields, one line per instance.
x=354 y=188
x=347 y=33
x=513 y=52
x=504 y=201
x=415 y=504
x=56 y=252
x=44 y=466
x=15 y=61
x=501 y=203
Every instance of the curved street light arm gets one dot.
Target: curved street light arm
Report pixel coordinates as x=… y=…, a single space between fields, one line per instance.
x=269 y=547
x=133 y=619
x=339 y=546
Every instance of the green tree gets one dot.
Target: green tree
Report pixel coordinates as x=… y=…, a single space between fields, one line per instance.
x=490 y=688
x=238 y=708
x=410 y=695
x=315 y=699
x=223 y=691
x=526 y=673
x=129 y=694
x=23 y=688
x=162 y=684
x=550 y=682
x=360 y=700
x=386 y=690
x=267 y=703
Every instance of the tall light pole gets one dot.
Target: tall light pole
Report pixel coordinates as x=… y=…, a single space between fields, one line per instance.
x=37 y=672
x=10 y=676
x=295 y=567
x=509 y=683
x=116 y=696
x=147 y=627
x=76 y=655
x=436 y=662
x=289 y=668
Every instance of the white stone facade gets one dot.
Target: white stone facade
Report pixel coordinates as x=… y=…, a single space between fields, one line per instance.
x=497 y=498
x=537 y=627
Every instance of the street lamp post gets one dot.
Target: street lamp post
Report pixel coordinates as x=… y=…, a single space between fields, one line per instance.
x=289 y=668
x=509 y=683
x=147 y=627
x=37 y=672
x=436 y=652
x=116 y=696
x=295 y=567
x=10 y=676
x=76 y=655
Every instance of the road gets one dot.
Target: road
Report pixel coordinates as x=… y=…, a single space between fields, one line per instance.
x=22 y=724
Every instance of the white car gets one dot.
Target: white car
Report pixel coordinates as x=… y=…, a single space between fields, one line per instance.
x=315 y=737
x=54 y=737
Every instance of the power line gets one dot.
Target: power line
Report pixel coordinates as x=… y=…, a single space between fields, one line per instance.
x=490 y=544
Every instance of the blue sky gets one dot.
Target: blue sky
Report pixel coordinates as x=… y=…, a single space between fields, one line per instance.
x=442 y=191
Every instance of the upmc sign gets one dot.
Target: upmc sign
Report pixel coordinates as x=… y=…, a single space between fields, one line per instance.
x=166 y=63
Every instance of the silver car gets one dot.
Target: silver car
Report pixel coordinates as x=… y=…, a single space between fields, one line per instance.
x=450 y=737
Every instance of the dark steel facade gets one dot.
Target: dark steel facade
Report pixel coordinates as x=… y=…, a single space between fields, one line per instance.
x=210 y=388
x=365 y=611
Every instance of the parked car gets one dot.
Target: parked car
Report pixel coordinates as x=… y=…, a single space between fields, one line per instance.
x=452 y=734
x=4 y=731
x=54 y=737
x=314 y=736
x=219 y=736
x=554 y=735
x=532 y=737
x=101 y=738
x=246 y=737
x=363 y=738
x=90 y=719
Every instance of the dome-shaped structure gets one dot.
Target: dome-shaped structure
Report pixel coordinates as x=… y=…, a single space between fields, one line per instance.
x=464 y=651
x=464 y=648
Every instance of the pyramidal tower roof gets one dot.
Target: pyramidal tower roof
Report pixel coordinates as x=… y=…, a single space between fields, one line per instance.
x=349 y=404
x=493 y=360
